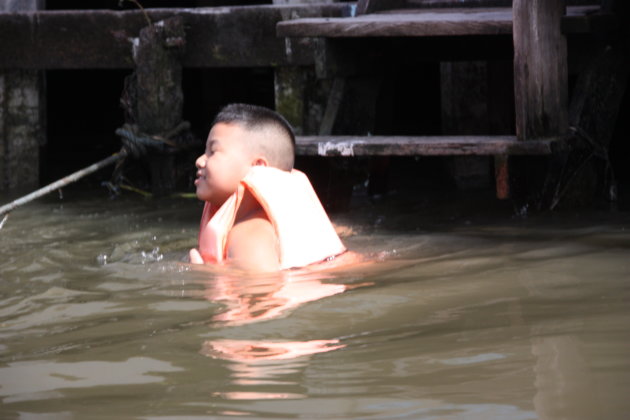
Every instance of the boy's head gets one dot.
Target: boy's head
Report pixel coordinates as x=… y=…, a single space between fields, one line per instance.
x=242 y=136
x=270 y=134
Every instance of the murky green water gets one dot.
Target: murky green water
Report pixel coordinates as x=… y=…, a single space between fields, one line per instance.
x=459 y=317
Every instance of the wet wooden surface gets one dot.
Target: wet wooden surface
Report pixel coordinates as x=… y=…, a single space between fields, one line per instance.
x=540 y=69
x=101 y=39
x=420 y=145
x=423 y=22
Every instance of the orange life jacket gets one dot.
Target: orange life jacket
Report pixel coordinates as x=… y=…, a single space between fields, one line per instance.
x=304 y=231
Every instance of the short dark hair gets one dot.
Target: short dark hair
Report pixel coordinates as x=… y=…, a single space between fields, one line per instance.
x=281 y=152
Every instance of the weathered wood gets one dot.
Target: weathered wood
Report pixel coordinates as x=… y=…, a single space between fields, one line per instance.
x=333 y=60
x=420 y=145
x=289 y=93
x=158 y=76
x=420 y=23
x=459 y=3
x=22 y=121
x=333 y=104
x=431 y=22
x=540 y=69
x=153 y=98
x=222 y=37
x=372 y=6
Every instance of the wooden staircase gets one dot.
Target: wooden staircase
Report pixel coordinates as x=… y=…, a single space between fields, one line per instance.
x=538 y=30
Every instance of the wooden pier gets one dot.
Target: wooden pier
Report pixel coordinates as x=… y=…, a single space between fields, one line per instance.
x=540 y=71
x=318 y=51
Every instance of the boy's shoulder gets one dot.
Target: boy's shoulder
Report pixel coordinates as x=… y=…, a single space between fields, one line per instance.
x=252 y=243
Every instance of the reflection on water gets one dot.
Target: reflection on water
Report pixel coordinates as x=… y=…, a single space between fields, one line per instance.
x=20 y=380
x=250 y=299
x=452 y=316
x=258 y=298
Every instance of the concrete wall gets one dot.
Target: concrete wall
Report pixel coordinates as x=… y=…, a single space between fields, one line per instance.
x=21 y=117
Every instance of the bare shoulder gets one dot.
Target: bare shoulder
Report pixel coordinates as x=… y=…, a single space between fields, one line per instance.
x=252 y=244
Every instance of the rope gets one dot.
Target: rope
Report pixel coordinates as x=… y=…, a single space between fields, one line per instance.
x=133 y=142
x=137 y=143
x=62 y=182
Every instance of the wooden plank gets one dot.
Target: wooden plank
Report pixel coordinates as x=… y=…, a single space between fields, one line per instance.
x=459 y=3
x=420 y=145
x=540 y=69
x=429 y=22
x=371 y=6
x=420 y=23
x=217 y=37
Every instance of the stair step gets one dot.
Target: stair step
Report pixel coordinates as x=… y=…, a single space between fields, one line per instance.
x=426 y=22
x=420 y=145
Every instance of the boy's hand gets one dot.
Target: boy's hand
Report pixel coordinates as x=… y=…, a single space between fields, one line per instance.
x=195 y=256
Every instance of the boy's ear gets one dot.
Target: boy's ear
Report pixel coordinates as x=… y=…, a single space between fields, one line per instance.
x=260 y=161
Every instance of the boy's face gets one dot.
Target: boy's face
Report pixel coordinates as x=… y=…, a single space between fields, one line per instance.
x=224 y=163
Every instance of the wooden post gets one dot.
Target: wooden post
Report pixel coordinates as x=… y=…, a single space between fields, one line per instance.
x=540 y=69
x=158 y=75
x=153 y=98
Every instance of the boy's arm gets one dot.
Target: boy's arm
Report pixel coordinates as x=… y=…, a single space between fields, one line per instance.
x=252 y=245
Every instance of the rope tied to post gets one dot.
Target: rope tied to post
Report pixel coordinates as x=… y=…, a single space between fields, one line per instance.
x=138 y=143
x=134 y=143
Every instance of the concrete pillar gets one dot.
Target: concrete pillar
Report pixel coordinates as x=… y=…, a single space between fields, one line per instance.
x=21 y=117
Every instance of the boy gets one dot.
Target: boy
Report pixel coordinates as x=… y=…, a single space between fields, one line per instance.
x=260 y=214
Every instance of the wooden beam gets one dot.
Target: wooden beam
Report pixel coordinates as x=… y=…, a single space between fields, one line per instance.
x=420 y=23
x=430 y=22
x=420 y=146
x=374 y=6
x=217 y=37
x=540 y=69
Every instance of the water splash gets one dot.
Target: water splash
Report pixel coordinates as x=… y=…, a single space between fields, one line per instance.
x=125 y=253
x=154 y=256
